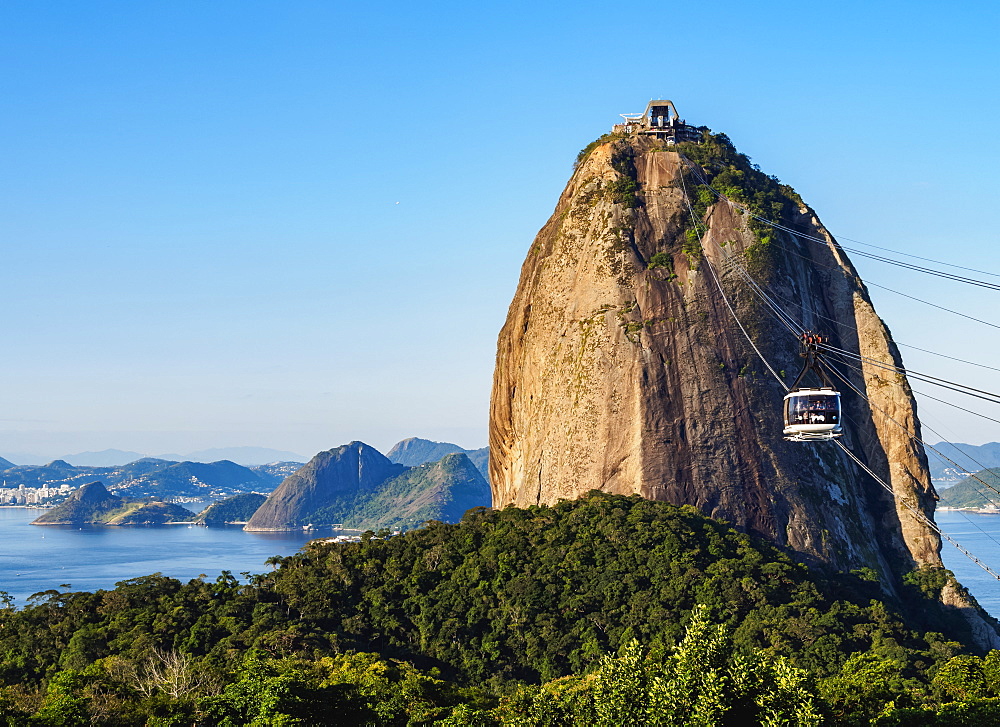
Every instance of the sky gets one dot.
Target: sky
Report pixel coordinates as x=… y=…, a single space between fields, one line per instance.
x=298 y=224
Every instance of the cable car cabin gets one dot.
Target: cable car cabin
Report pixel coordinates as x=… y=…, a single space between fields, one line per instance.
x=812 y=414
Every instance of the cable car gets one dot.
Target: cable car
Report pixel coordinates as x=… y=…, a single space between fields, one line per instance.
x=812 y=413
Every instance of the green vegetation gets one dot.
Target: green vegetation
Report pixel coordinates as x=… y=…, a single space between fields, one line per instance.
x=623 y=190
x=692 y=245
x=147 y=512
x=238 y=508
x=702 y=682
x=92 y=503
x=725 y=171
x=971 y=492
x=356 y=486
x=661 y=260
x=435 y=490
x=732 y=174
x=608 y=610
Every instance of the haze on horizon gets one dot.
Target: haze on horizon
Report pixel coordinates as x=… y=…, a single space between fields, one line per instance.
x=297 y=226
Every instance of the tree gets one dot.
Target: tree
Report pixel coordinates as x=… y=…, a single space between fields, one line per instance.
x=701 y=683
x=273 y=693
x=63 y=705
x=866 y=685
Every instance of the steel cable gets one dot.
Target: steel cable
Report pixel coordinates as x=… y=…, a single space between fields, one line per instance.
x=916 y=513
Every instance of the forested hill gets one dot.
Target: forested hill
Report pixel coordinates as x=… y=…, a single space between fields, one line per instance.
x=975 y=491
x=415 y=451
x=519 y=594
x=356 y=486
x=93 y=504
x=238 y=508
x=961 y=456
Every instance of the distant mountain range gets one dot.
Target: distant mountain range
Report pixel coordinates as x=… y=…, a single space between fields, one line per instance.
x=412 y=451
x=356 y=486
x=109 y=458
x=246 y=456
x=156 y=477
x=205 y=474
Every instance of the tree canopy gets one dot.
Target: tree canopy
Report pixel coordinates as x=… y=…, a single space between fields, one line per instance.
x=559 y=612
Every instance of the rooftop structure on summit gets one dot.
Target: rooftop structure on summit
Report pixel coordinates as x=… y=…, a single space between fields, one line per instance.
x=660 y=119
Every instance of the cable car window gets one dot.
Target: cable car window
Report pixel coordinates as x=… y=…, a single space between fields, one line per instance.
x=813 y=409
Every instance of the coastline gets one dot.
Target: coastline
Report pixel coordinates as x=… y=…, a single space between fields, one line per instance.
x=975 y=510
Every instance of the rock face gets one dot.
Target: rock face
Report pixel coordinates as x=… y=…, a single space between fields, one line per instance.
x=621 y=368
x=355 y=486
x=327 y=478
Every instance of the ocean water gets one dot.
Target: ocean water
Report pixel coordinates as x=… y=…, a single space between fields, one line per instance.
x=980 y=535
x=35 y=559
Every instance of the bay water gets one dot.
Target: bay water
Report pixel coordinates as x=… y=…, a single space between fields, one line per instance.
x=35 y=558
x=980 y=535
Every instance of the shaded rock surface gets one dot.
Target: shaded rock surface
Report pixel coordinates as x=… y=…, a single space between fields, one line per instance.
x=620 y=367
x=327 y=478
x=357 y=487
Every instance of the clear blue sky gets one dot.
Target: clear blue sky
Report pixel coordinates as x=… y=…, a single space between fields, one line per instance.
x=297 y=224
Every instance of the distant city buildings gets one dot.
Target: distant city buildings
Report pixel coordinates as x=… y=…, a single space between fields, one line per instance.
x=32 y=495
